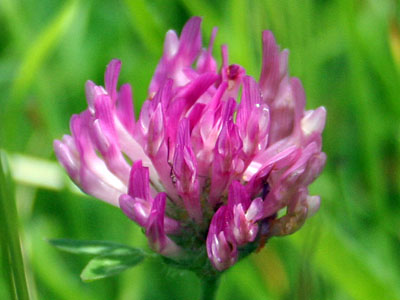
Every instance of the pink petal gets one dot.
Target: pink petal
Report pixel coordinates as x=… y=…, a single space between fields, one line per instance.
x=111 y=78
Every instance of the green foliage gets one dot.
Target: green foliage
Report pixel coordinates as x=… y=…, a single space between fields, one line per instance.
x=111 y=258
x=111 y=264
x=9 y=235
x=346 y=52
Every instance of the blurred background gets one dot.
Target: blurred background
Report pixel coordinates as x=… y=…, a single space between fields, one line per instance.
x=347 y=54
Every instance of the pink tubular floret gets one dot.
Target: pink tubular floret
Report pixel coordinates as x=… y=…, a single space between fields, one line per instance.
x=197 y=162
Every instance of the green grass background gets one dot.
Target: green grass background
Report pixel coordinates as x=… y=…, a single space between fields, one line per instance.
x=347 y=54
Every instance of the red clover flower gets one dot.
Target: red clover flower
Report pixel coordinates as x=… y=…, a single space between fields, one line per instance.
x=203 y=173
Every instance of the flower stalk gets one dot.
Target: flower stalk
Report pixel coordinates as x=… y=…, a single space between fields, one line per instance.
x=209 y=287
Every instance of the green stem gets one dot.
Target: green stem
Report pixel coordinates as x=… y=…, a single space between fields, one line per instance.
x=209 y=287
x=10 y=235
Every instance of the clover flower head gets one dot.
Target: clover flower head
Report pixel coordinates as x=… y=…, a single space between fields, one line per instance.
x=203 y=173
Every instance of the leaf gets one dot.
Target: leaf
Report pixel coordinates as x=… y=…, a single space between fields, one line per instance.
x=90 y=247
x=111 y=264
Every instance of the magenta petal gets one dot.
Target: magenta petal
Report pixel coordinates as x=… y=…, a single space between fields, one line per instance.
x=228 y=110
x=297 y=213
x=105 y=137
x=190 y=40
x=206 y=62
x=104 y=111
x=270 y=70
x=155 y=232
x=155 y=225
x=299 y=98
x=253 y=119
x=195 y=114
x=156 y=133
x=255 y=211
x=244 y=230
x=238 y=195
x=93 y=170
x=67 y=159
x=178 y=55
x=313 y=121
x=221 y=252
x=111 y=152
x=196 y=88
x=313 y=204
x=245 y=213
x=111 y=78
x=93 y=91
x=185 y=170
x=226 y=161
x=139 y=182
x=314 y=167
x=269 y=159
x=171 y=44
x=125 y=108
x=135 y=209
x=138 y=210
x=163 y=95
x=251 y=97
x=299 y=167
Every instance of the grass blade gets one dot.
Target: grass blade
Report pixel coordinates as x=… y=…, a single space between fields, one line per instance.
x=10 y=235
